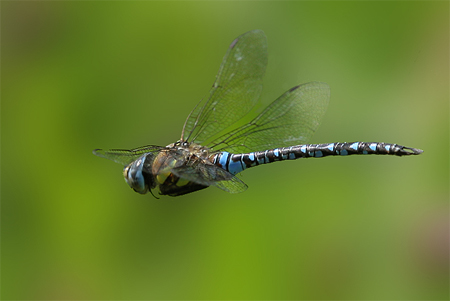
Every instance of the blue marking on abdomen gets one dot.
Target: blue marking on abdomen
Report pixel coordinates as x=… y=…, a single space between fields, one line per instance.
x=235 y=167
x=251 y=156
x=291 y=155
x=261 y=160
x=354 y=146
x=373 y=146
x=318 y=154
x=276 y=152
x=330 y=146
x=387 y=147
x=344 y=152
x=303 y=149
x=223 y=158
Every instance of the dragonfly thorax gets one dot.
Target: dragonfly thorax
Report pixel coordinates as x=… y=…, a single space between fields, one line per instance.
x=190 y=149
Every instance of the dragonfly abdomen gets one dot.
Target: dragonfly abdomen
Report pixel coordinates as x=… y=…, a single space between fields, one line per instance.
x=235 y=163
x=350 y=148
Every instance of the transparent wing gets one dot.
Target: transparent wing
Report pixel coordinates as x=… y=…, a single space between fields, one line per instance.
x=290 y=120
x=210 y=175
x=124 y=156
x=237 y=88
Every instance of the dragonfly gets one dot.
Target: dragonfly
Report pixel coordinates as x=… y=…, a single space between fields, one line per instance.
x=215 y=143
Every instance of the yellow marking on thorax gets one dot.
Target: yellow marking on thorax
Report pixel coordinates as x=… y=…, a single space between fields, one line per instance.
x=162 y=177
x=163 y=169
x=182 y=182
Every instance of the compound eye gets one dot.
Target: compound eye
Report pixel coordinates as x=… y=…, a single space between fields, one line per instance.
x=133 y=174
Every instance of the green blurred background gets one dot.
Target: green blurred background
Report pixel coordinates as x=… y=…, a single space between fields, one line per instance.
x=83 y=75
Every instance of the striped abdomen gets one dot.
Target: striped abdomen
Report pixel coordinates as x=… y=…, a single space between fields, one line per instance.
x=235 y=163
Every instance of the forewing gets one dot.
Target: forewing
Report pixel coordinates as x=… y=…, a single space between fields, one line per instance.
x=290 y=120
x=210 y=175
x=237 y=88
x=125 y=156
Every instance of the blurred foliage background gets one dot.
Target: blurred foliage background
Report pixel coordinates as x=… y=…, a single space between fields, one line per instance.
x=83 y=75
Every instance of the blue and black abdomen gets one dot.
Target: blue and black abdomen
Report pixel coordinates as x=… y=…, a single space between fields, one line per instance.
x=235 y=163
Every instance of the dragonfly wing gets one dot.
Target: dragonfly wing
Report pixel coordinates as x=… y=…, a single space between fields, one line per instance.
x=234 y=185
x=125 y=156
x=290 y=120
x=236 y=90
x=210 y=175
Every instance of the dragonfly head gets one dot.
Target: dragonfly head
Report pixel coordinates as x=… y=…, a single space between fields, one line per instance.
x=134 y=176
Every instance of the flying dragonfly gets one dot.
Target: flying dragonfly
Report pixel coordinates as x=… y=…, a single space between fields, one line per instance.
x=212 y=149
